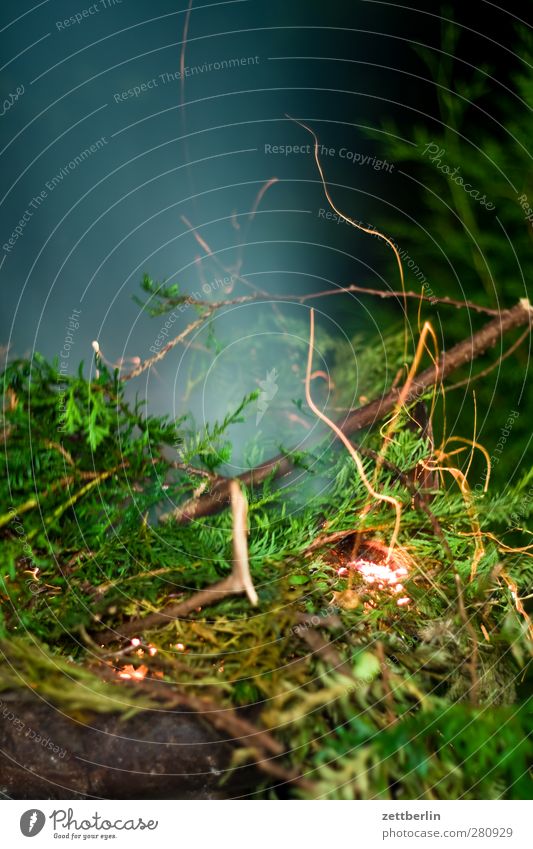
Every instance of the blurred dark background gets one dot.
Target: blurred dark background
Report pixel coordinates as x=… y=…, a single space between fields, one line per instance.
x=105 y=151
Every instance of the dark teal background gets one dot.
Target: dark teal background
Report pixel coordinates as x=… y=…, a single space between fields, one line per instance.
x=344 y=67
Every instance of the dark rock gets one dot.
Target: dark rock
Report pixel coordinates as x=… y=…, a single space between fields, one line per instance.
x=45 y=754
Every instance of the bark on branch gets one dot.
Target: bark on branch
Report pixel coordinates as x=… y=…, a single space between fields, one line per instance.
x=461 y=354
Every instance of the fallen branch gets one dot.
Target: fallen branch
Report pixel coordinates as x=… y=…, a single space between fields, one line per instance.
x=461 y=354
x=237 y=583
x=261 y=746
x=222 y=718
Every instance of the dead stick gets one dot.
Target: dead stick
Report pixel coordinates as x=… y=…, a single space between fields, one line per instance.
x=238 y=582
x=461 y=354
x=222 y=718
x=350 y=288
x=263 y=748
x=321 y=647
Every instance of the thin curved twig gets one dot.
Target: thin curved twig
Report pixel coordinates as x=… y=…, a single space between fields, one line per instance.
x=351 y=288
x=168 y=347
x=449 y=360
x=212 y=306
x=346 y=442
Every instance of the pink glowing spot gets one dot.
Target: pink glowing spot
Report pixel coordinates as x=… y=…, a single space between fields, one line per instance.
x=382 y=572
x=381 y=576
x=130 y=673
x=342 y=572
x=136 y=642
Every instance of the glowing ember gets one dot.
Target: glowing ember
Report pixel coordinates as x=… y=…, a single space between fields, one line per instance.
x=381 y=575
x=129 y=673
x=180 y=647
x=152 y=650
x=136 y=642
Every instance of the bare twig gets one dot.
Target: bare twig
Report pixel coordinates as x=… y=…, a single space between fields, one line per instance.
x=346 y=442
x=232 y=271
x=237 y=583
x=328 y=293
x=172 y=344
x=213 y=306
x=57 y=447
x=241 y=566
x=262 y=747
x=193 y=470
x=464 y=352
x=222 y=718
x=324 y=649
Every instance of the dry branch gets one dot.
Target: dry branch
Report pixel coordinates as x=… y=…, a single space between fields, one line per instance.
x=461 y=354
x=351 y=288
x=237 y=583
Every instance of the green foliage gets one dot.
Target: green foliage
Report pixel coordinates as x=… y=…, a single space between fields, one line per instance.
x=471 y=239
x=162 y=298
x=449 y=752
x=208 y=445
x=77 y=443
x=394 y=722
x=370 y=699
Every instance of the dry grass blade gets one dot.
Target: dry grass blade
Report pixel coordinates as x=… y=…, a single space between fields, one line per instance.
x=241 y=567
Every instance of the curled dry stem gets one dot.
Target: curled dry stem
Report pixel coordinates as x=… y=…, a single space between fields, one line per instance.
x=346 y=442
x=448 y=361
